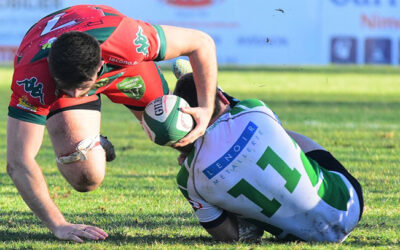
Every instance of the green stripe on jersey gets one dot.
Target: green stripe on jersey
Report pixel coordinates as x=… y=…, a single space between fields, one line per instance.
x=163 y=43
x=333 y=190
x=43 y=53
x=26 y=116
x=185 y=193
x=190 y=157
x=109 y=14
x=247 y=104
x=101 y=34
x=164 y=82
x=182 y=177
x=312 y=168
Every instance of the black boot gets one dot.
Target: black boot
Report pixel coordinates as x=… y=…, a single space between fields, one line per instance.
x=108 y=147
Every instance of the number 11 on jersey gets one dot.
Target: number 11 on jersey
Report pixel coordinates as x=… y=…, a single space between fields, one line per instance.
x=269 y=207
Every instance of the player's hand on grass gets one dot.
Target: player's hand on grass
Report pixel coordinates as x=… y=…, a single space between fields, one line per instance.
x=201 y=116
x=76 y=232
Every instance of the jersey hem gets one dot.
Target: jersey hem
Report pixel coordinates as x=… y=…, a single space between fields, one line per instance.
x=26 y=116
x=136 y=108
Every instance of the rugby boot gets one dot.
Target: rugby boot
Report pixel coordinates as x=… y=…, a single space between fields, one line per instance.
x=108 y=147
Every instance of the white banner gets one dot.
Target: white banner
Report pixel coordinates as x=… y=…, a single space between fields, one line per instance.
x=361 y=31
x=255 y=32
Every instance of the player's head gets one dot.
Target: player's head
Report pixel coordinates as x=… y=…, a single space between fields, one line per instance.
x=186 y=88
x=74 y=60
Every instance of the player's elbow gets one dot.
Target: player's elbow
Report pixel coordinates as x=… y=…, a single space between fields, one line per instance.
x=203 y=43
x=207 y=41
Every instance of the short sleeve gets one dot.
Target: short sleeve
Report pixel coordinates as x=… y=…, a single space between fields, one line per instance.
x=134 y=41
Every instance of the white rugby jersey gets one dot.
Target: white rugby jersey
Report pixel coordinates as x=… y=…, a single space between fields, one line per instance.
x=248 y=165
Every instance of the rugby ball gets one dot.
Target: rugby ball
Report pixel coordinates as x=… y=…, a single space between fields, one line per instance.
x=164 y=122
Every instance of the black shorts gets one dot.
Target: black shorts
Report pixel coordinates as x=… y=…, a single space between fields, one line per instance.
x=91 y=105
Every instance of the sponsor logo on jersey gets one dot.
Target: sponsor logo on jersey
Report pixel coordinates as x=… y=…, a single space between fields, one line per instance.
x=232 y=153
x=24 y=104
x=33 y=88
x=132 y=87
x=195 y=204
x=107 y=80
x=142 y=42
x=121 y=61
x=102 y=82
x=47 y=45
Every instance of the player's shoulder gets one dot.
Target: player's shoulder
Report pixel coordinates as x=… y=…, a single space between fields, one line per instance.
x=249 y=105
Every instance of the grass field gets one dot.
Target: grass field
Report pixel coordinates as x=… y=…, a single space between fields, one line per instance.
x=354 y=112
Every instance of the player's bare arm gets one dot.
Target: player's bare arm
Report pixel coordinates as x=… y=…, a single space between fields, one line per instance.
x=200 y=49
x=23 y=143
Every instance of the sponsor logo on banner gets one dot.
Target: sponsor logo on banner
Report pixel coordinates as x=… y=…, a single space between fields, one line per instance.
x=380 y=22
x=367 y=3
x=343 y=50
x=257 y=40
x=32 y=4
x=378 y=51
x=33 y=87
x=191 y=3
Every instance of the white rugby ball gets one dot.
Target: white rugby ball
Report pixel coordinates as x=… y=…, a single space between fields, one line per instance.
x=164 y=122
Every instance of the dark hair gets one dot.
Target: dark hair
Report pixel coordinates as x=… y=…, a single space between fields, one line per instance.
x=186 y=89
x=74 y=58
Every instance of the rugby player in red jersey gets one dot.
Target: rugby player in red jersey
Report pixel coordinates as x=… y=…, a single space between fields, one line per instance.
x=62 y=65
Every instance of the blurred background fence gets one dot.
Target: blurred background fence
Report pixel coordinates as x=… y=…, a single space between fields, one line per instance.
x=253 y=32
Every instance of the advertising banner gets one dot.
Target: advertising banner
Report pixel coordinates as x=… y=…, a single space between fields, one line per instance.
x=356 y=31
x=256 y=32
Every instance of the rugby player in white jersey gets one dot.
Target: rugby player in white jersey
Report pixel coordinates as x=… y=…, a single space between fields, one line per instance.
x=247 y=174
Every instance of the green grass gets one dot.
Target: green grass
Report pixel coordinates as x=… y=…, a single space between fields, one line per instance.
x=353 y=112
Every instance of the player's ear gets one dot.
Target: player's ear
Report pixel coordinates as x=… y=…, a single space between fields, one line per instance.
x=100 y=66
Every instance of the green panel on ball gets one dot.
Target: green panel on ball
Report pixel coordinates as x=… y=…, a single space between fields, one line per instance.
x=166 y=132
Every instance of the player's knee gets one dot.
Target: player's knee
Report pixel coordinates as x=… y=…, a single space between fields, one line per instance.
x=85 y=176
x=86 y=183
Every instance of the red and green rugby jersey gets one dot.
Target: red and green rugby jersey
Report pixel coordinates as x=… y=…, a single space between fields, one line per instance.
x=124 y=42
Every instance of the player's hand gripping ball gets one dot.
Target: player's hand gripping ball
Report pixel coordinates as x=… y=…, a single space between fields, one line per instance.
x=164 y=122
